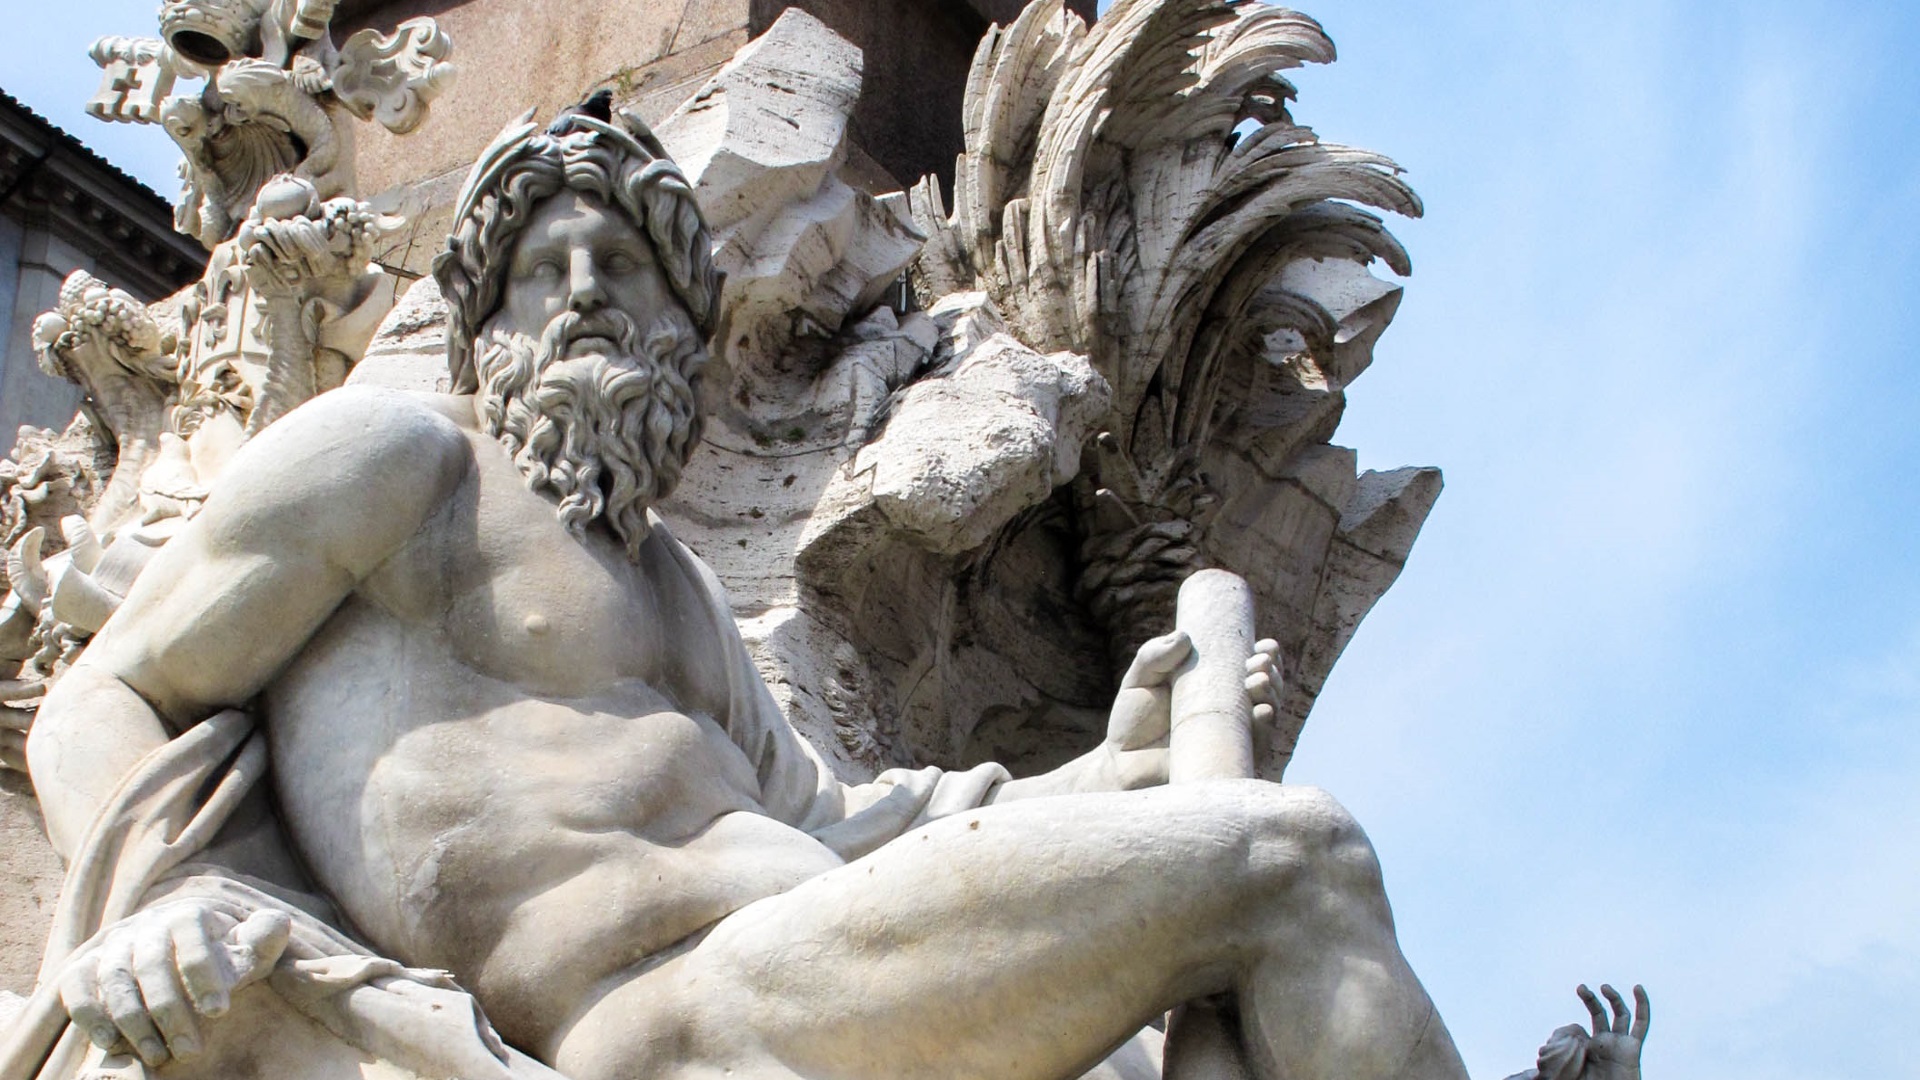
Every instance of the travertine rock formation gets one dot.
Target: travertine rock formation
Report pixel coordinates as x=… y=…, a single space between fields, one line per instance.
x=1209 y=255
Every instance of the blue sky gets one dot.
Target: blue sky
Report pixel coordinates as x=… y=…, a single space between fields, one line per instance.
x=1643 y=705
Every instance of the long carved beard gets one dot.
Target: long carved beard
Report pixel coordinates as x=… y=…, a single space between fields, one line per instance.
x=606 y=435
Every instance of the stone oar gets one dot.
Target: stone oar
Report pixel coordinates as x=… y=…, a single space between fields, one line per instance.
x=1212 y=736
x=1212 y=739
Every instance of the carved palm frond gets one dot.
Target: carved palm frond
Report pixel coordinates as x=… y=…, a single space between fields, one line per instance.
x=1138 y=191
x=1144 y=232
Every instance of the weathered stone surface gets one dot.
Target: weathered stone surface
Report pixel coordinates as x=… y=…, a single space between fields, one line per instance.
x=654 y=56
x=29 y=883
x=918 y=54
x=989 y=433
x=764 y=141
x=580 y=45
x=409 y=349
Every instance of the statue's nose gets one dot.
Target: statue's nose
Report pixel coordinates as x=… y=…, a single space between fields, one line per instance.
x=584 y=292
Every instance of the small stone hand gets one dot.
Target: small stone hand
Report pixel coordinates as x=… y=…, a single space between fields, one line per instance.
x=1613 y=1053
x=1137 y=726
x=150 y=978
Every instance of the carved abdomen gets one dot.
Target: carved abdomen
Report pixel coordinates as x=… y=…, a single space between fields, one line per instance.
x=464 y=823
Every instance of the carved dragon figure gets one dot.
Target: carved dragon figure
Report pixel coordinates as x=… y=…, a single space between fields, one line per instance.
x=106 y=341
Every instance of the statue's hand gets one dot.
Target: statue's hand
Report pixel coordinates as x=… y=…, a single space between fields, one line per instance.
x=149 y=979
x=1612 y=1052
x=1134 y=753
x=1263 y=682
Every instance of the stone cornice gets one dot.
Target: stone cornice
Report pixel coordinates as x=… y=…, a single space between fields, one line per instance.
x=50 y=178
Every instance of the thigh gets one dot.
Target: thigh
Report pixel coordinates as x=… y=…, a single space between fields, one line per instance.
x=1024 y=940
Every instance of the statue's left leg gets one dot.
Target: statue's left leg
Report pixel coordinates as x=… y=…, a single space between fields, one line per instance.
x=1025 y=941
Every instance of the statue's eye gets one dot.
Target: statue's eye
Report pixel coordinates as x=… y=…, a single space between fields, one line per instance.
x=546 y=269
x=621 y=262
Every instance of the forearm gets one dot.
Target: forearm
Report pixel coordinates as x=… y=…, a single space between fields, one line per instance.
x=91 y=730
x=1035 y=787
x=1103 y=768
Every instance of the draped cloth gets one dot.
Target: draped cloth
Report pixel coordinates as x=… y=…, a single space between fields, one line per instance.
x=328 y=1008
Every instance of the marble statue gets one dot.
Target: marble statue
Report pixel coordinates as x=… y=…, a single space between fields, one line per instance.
x=564 y=783
x=387 y=729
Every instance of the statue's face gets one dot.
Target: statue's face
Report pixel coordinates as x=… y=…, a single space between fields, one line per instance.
x=578 y=254
x=587 y=369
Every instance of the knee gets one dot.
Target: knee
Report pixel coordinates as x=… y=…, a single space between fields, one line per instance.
x=1303 y=836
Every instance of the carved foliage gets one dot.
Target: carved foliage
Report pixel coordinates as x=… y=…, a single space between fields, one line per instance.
x=392 y=78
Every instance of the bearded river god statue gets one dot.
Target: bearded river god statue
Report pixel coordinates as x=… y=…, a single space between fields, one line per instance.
x=425 y=749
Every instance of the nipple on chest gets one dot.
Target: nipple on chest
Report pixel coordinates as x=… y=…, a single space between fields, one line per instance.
x=537 y=624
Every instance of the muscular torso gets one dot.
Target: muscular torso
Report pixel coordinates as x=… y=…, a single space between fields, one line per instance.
x=504 y=754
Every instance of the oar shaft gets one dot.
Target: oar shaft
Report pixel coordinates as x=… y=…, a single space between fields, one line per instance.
x=1212 y=737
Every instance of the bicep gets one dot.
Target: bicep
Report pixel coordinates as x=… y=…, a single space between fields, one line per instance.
x=204 y=627
x=302 y=514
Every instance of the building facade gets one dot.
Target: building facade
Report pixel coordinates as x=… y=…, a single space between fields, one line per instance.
x=65 y=208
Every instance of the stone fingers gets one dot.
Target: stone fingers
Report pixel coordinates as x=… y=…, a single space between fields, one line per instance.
x=257 y=944
x=1600 y=1026
x=203 y=969
x=1263 y=680
x=1621 y=1017
x=166 y=1004
x=80 y=993
x=1157 y=659
x=1139 y=717
x=1260 y=693
x=119 y=991
x=1642 y=1012
x=150 y=979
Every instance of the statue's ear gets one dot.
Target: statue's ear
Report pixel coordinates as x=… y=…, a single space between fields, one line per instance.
x=641 y=133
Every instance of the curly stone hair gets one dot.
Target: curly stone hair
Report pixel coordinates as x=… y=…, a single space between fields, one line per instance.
x=588 y=149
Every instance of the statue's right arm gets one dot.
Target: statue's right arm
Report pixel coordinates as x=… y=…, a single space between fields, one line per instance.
x=303 y=513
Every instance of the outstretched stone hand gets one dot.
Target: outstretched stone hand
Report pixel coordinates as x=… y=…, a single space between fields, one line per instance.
x=150 y=978
x=1612 y=1052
